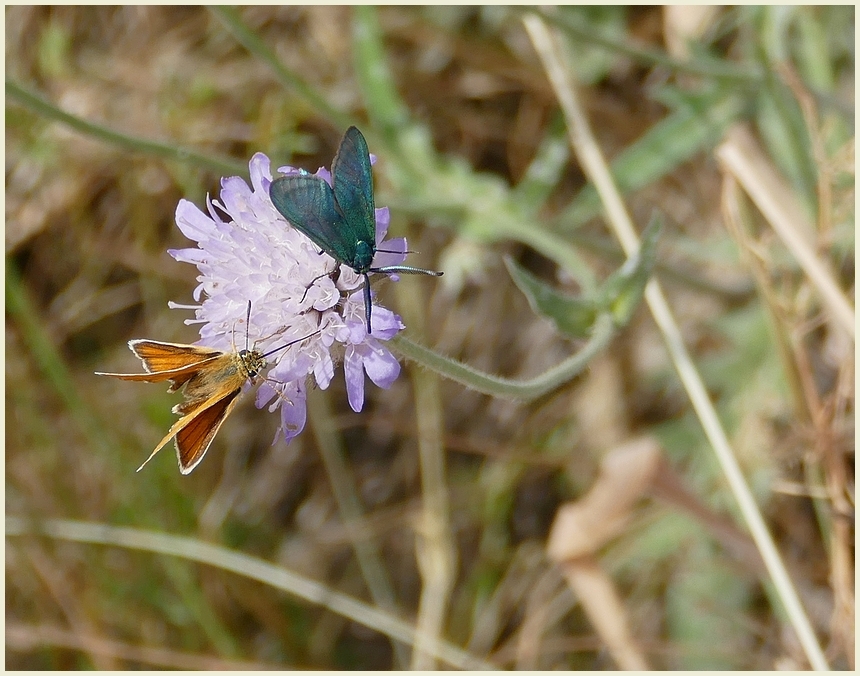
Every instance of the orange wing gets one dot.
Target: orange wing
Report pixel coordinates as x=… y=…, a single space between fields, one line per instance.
x=193 y=440
x=167 y=361
x=204 y=422
x=157 y=356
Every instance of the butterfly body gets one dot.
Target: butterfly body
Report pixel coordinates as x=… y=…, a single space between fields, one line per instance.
x=339 y=218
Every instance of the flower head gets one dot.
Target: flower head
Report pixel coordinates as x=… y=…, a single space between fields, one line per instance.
x=253 y=254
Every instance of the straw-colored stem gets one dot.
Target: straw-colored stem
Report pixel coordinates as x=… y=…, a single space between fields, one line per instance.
x=742 y=158
x=594 y=164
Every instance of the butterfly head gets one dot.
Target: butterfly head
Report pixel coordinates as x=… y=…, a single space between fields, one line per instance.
x=253 y=363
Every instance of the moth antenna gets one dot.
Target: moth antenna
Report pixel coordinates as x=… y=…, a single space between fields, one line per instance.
x=408 y=251
x=368 y=305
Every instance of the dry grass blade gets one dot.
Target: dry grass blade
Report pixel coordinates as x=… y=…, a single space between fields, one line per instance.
x=595 y=166
x=242 y=564
x=741 y=156
x=434 y=544
x=26 y=638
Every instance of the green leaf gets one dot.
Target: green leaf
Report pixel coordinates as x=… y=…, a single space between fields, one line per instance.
x=622 y=291
x=573 y=316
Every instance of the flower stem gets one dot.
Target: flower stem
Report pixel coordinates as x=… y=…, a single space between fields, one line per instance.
x=498 y=386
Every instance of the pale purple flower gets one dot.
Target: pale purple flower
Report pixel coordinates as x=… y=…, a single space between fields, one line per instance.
x=250 y=253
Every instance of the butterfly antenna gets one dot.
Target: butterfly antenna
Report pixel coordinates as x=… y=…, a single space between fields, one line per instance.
x=247 y=325
x=292 y=342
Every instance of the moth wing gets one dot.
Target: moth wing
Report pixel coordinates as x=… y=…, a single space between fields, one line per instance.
x=193 y=440
x=352 y=183
x=307 y=202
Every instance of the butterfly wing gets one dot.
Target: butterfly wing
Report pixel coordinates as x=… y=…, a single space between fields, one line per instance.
x=307 y=202
x=157 y=356
x=204 y=422
x=193 y=440
x=352 y=183
x=167 y=361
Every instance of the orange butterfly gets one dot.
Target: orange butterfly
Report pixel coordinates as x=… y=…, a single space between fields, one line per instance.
x=213 y=381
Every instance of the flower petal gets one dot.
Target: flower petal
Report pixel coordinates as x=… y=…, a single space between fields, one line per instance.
x=353 y=372
x=381 y=366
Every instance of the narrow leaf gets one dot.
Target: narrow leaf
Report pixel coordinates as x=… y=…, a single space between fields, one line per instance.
x=572 y=316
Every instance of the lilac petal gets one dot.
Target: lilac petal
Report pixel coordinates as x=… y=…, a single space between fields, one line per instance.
x=193 y=256
x=294 y=415
x=381 y=366
x=386 y=323
x=265 y=393
x=192 y=222
x=324 y=371
x=324 y=174
x=397 y=245
x=383 y=220
x=260 y=170
x=358 y=328
x=353 y=372
x=236 y=195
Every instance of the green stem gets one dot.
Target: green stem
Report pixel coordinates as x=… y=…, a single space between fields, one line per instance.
x=249 y=39
x=498 y=386
x=171 y=151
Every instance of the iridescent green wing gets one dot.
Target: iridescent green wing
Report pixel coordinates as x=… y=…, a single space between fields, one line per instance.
x=352 y=182
x=308 y=203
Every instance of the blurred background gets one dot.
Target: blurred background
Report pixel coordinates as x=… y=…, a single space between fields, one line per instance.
x=435 y=504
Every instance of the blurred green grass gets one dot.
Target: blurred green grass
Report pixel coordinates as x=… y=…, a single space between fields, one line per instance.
x=473 y=162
